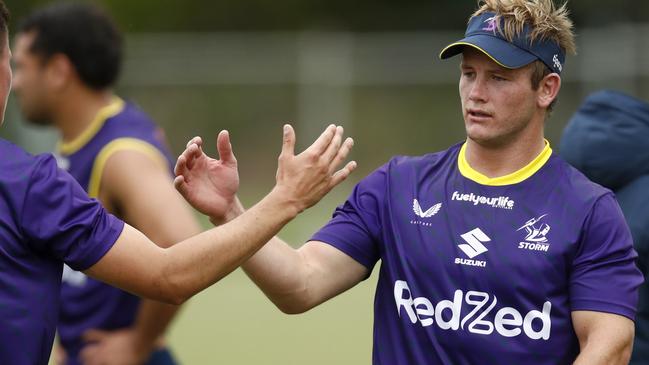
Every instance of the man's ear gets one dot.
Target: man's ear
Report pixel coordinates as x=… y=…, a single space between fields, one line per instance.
x=59 y=71
x=548 y=90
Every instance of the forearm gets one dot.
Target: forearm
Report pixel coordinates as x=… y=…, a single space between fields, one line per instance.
x=282 y=273
x=279 y=270
x=174 y=274
x=200 y=261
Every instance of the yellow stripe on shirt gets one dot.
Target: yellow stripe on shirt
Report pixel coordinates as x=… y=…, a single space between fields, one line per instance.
x=115 y=107
x=509 y=179
x=117 y=145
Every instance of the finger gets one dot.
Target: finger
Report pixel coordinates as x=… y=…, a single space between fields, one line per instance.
x=179 y=184
x=192 y=152
x=288 y=145
x=321 y=144
x=181 y=165
x=224 y=146
x=342 y=154
x=343 y=173
x=196 y=140
x=334 y=145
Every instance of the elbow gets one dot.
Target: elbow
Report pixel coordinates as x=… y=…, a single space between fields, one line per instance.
x=175 y=299
x=293 y=309
x=293 y=306
x=171 y=288
x=168 y=292
x=175 y=291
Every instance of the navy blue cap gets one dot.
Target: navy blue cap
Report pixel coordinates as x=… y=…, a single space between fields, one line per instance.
x=483 y=34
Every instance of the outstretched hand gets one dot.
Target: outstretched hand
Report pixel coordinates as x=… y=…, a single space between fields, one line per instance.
x=305 y=178
x=209 y=185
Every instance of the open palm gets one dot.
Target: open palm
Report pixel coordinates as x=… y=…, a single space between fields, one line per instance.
x=208 y=184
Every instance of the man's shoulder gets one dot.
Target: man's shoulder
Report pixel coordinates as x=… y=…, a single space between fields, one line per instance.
x=426 y=161
x=131 y=116
x=577 y=184
x=405 y=170
x=15 y=159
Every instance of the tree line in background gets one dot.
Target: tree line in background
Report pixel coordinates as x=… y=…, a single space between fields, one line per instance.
x=349 y=15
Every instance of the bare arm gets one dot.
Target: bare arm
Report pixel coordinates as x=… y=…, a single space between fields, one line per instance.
x=148 y=201
x=294 y=279
x=176 y=273
x=604 y=338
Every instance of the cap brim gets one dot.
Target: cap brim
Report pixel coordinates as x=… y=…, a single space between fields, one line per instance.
x=500 y=51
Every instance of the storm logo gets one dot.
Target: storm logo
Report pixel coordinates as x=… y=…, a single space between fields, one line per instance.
x=536 y=235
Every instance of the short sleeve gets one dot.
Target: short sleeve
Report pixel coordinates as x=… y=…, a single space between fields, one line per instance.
x=604 y=276
x=356 y=225
x=59 y=219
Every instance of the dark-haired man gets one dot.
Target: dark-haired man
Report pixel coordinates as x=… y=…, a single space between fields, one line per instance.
x=47 y=219
x=67 y=58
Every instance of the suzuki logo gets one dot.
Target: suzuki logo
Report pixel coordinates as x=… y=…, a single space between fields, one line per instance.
x=474 y=238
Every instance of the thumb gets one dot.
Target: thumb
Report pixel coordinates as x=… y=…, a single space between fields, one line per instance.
x=288 y=146
x=94 y=335
x=224 y=147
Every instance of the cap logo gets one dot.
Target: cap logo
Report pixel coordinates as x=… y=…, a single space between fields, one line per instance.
x=491 y=24
x=557 y=64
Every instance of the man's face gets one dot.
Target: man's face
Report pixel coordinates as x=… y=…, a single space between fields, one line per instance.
x=5 y=74
x=497 y=103
x=30 y=81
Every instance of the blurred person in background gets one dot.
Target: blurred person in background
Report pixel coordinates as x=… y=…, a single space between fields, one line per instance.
x=607 y=140
x=67 y=58
x=493 y=251
x=47 y=220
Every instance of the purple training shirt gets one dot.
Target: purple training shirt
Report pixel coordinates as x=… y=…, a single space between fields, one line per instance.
x=485 y=271
x=87 y=303
x=46 y=219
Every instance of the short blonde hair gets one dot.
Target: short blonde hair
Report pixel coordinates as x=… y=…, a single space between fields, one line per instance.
x=545 y=19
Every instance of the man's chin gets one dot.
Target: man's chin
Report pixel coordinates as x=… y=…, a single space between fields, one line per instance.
x=37 y=121
x=479 y=134
x=487 y=140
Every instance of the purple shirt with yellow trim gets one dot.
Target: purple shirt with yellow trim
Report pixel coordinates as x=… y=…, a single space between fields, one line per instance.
x=87 y=303
x=45 y=219
x=485 y=271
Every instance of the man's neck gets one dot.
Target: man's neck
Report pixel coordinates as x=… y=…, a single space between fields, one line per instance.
x=504 y=159
x=75 y=113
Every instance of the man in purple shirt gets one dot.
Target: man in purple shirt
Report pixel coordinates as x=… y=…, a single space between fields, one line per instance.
x=494 y=251
x=67 y=58
x=47 y=219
